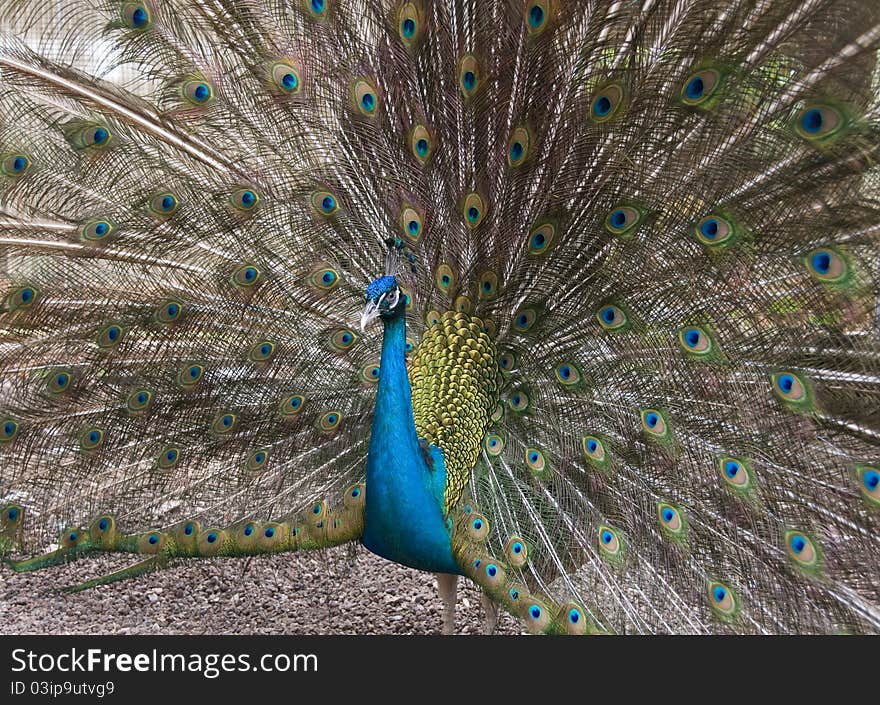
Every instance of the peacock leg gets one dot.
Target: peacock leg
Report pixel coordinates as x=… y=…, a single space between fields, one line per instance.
x=447 y=584
x=490 y=614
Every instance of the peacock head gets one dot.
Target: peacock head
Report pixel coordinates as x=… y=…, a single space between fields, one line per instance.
x=384 y=300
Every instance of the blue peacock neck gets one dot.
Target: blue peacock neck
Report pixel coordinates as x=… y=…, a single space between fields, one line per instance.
x=405 y=520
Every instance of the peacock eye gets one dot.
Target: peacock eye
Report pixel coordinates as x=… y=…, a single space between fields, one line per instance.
x=392 y=298
x=670 y=518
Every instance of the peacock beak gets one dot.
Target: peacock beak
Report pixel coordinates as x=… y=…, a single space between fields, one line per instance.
x=370 y=314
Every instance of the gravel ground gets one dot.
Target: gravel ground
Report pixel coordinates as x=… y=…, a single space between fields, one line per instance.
x=345 y=590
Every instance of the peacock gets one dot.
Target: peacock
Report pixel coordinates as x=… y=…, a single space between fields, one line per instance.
x=575 y=299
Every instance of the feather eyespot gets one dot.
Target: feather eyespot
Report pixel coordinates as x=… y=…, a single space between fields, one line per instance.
x=409 y=24
x=653 y=422
x=168 y=312
x=244 y=199
x=444 y=277
x=224 y=423
x=292 y=405
x=735 y=473
x=869 y=482
x=324 y=278
x=671 y=519
x=623 y=221
x=285 y=78
x=606 y=103
x=110 y=335
x=537 y=15
x=263 y=351
x=257 y=460
x=197 y=92
x=827 y=265
x=15 y=165
x=535 y=461
x=91 y=438
x=164 y=204
x=190 y=375
x=474 y=210
x=168 y=458
x=421 y=144
x=477 y=527
x=247 y=275
x=343 y=339
x=411 y=223
x=594 y=448
x=722 y=599
x=494 y=444
x=370 y=372
x=518 y=147
x=22 y=297
x=699 y=88
x=567 y=374
x=468 y=75
x=8 y=430
x=329 y=421
x=714 y=230
x=542 y=238
x=317 y=8
x=136 y=15
x=611 y=317
x=92 y=136
x=610 y=543
x=518 y=401
x=695 y=340
x=139 y=401
x=818 y=122
x=524 y=320
x=803 y=550
x=791 y=387
x=59 y=381
x=96 y=231
x=365 y=98
x=487 y=286
x=324 y=202
x=516 y=551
